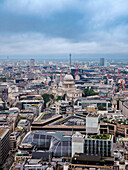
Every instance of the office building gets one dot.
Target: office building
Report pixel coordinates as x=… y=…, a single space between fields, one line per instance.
x=77 y=143
x=56 y=142
x=101 y=61
x=96 y=145
x=92 y=162
x=92 y=124
x=4 y=144
x=99 y=145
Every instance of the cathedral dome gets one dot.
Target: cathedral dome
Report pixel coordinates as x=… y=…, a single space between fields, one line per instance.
x=68 y=83
x=68 y=77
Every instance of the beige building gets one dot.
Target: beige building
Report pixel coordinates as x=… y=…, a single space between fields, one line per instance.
x=67 y=87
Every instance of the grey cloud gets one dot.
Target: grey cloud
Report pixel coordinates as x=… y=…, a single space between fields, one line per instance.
x=60 y=26
x=33 y=44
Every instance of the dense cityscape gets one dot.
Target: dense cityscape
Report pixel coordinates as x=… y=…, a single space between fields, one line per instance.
x=64 y=85
x=63 y=115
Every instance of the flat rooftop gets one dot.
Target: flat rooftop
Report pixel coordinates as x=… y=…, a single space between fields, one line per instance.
x=70 y=121
x=94 y=101
x=2 y=131
x=47 y=121
x=102 y=136
x=57 y=128
x=93 y=115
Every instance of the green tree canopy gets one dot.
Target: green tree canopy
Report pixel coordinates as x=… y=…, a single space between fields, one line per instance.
x=101 y=107
x=89 y=92
x=47 y=98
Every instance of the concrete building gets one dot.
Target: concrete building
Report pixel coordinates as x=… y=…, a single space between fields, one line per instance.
x=99 y=145
x=83 y=102
x=4 y=144
x=63 y=107
x=125 y=108
x=122 y=129
x=15 y=140
x=92 y=124
x=96 y=145
x=82 y=161
x=77 y=143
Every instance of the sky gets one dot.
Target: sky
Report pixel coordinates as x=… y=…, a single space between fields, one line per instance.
x=56 y=27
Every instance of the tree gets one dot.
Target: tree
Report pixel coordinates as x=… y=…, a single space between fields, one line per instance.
x=118 y=87
x=51 y=96
x=101 y=107
x=46 y=98
x=89 y=92
x=58 y=98
x=63 y=97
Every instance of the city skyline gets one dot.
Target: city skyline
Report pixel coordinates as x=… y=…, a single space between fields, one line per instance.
x=57 y=28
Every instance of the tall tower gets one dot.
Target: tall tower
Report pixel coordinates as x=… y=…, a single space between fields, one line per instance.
x=70 y=60
x=32 y=62
x=101 y=61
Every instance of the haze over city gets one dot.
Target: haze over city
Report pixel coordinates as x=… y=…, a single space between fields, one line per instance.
x=56 y=28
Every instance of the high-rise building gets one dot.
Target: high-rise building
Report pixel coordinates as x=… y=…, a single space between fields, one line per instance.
x=32 y=62
x=101 y=61
x=4 y=144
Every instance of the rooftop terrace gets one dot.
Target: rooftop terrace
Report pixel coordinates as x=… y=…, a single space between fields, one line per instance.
x=101 y=136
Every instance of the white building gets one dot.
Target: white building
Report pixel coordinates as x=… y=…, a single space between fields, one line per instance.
x=92 y=125
x=77 y=143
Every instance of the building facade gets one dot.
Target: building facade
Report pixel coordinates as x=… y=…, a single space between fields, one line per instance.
x=92 y=124
x=77 y=143
x=4 y=144
x=101 y=61
x=101 y=146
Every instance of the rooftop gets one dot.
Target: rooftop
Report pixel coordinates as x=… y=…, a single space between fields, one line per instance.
x=102 y=136
x=93 y=115
x=2 y=131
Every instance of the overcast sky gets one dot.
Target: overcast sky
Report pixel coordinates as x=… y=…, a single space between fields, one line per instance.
x=37 y=27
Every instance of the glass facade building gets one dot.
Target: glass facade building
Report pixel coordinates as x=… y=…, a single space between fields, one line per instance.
x=56 y=143
x=66 y=146
x=101 y=61
x=98 y=147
